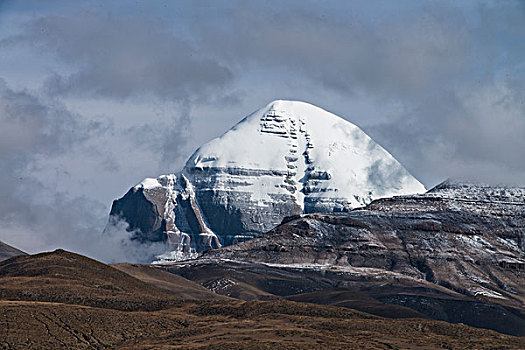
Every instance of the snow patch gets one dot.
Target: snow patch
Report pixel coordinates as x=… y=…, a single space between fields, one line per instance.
x=174 y=256
x=148 y=183
x=487 y=293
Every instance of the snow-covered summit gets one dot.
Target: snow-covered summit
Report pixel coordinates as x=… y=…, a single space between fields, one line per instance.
x=284 y=159
x=320 y=154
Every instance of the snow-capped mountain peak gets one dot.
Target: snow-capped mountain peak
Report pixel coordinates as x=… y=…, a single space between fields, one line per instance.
x=319 y=154
x=284 y=159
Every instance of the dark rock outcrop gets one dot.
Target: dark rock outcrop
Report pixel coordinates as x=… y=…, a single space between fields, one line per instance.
x=142 y=210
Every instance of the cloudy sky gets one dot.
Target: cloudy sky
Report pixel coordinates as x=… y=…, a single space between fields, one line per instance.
x=97 y=95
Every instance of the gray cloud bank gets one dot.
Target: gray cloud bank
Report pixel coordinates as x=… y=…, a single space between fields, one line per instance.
x=126 y=95
x=122 y=58
x=33 y=214
x=455 y=73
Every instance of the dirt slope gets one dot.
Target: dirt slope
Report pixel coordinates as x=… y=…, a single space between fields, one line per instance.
x=62 y=300
x=177 y=285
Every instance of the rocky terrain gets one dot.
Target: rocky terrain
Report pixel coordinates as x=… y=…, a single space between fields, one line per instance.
x=62 y=300
x=455 y=254
x=285 y=159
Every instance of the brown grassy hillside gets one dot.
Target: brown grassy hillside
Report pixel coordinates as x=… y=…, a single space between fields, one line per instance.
x=62 y=300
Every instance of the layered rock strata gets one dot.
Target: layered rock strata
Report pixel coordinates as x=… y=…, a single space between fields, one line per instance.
x=285 y=159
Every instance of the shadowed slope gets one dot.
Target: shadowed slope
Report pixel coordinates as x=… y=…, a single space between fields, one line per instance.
x=366 y=289
x=6 y=251
x=357 y=301
x=177 y=285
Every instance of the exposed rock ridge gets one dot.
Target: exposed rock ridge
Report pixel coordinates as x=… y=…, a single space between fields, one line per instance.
x=467 y=238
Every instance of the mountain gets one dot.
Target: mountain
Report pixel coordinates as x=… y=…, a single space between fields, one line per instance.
x=69 y=278
x=287 y=158
x=6 y=251
x=455 y=253
x=177 y=285
x=62 y=300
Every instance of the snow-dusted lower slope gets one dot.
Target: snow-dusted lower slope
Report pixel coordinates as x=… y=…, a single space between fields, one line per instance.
x=286 y=158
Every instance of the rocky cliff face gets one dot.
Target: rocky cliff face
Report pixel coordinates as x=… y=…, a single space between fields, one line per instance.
x=285 y=159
